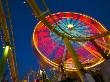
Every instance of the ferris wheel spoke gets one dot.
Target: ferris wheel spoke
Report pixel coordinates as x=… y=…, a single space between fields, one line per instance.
x=55 y=38
x=54 y=52
x=82 y=35
x=87 y=32
x=43 y=45
x=78 y=24
x=46 y=36
x=43 y=31
x=61 y=20
x=43 y=37
x=44 y=40
x=68 y=21
x=76 y=20
x=64 y=25
x=61 y=23
x=64 y=21
x=92 y=51
x=71 y=21
x=81 y=28
x=84 y=26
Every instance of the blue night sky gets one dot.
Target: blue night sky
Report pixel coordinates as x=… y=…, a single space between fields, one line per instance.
x=24 y=23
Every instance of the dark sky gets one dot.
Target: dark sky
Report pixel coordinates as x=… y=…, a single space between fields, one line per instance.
x=24 y=23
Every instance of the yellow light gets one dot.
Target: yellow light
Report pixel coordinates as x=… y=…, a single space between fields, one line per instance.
x=40 y=72
x=6 y=51
x=70 y=26
x=25 y=81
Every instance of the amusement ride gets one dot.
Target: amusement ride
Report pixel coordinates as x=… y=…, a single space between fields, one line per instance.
x=79 y=40
x=7 y=44
x=72 y=40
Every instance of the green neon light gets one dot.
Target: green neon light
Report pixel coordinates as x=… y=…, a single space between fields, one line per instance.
x=3 y=61
x=6 y=51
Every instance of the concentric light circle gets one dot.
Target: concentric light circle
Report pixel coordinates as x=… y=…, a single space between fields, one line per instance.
x=51 y=47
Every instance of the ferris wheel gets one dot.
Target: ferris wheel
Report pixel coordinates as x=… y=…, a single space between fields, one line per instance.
x=74 y=26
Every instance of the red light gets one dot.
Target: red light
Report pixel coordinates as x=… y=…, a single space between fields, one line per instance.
x=82 y=18
x=68 y=15
x=76 y=16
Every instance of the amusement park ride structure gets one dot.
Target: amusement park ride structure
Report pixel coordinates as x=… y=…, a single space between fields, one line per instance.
x=8 y=44
x=51 y=23
x=65 y=35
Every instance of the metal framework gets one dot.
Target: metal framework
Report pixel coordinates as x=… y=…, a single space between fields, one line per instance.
x=41 y=16
x=9 y=55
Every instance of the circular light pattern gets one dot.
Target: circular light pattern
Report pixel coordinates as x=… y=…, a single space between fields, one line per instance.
x=51 y=47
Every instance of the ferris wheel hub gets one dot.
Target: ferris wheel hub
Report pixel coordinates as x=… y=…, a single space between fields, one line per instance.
x=70 y=26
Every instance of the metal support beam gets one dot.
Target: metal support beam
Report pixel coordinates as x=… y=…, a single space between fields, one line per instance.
x=7 y=41
x=76 y=61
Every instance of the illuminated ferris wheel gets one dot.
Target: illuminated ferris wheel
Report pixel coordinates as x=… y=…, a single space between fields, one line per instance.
x=74 y=26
